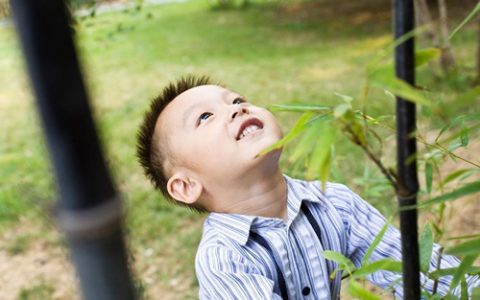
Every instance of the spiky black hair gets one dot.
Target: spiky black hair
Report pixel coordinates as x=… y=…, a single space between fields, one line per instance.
x=151 y=152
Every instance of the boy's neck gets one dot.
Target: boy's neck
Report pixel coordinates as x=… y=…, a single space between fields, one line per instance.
x=263 y=196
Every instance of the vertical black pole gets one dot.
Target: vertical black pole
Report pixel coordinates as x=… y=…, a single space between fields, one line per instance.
x=89 y=210
x=407 y=151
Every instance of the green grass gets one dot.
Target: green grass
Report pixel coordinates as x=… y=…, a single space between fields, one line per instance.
x=271 y=53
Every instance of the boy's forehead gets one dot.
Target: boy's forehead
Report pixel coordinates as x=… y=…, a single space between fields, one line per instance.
x=189 y=100
x=202 y=93
x=197 y=96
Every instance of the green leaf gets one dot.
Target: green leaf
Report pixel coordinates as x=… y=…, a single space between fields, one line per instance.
x=450 y=271
x=322 y=154
x=466 y=20
x=425 y=55
x=470 y=247
x=476 y=293
x=467 y=236
x=307 y=142
x=386 y=80
x=464 y=136
x=466 y=99
x=428 y=176
x=299 y=107
x=455 y=174
x=462 y=269
x=339 y=258
x=359 y=292
x=341 y=110
x=467 y=189
x=463 y=289
x=298 y=128
x=375 y=242
x=345 y=98
x=425 y=246
x=383 y=264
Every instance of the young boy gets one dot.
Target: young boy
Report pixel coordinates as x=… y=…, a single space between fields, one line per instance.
x=265 y=233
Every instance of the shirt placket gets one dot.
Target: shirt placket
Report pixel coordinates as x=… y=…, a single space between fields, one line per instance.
x=280 y=243
x=320 y=277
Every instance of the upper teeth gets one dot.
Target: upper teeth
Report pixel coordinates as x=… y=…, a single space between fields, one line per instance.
x=249 y=129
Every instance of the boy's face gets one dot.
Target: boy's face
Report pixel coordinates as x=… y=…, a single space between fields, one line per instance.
x=216 y=134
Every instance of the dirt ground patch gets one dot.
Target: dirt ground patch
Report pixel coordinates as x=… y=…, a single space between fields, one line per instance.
x=34 y=262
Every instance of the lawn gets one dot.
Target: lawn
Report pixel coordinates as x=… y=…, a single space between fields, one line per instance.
x=272 y=52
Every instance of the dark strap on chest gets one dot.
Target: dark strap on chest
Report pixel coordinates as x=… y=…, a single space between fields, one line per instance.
x=331 y=265
x=281 y=280
x=326 y=245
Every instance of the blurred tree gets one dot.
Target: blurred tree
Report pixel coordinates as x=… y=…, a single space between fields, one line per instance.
x=424 y=18
x=478 y=49
x=446 y=59
x=229 y=3
x=4 y=9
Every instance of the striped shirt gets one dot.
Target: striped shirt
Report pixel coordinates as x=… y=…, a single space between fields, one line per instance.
x=249 y=257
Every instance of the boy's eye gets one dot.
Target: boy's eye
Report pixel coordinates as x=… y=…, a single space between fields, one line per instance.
x=238 y=101
x=203 y=117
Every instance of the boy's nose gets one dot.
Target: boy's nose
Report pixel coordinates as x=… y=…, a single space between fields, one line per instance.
x=238 y=112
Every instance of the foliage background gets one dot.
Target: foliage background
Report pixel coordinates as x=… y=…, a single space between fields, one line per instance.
x=271 y=51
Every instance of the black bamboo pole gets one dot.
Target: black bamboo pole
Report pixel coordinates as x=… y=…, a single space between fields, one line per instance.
x=407 y=151
x=89 y=210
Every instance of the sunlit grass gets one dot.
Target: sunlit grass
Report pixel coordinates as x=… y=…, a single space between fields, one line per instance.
x=266 y=52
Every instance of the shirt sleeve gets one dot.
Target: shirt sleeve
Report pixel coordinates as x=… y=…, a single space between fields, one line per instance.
x=224 y=274
x=363 y=223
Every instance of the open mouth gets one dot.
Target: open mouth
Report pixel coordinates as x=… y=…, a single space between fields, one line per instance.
x=248 y=127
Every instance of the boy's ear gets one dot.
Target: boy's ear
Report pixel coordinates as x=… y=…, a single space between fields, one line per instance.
x=183 y=188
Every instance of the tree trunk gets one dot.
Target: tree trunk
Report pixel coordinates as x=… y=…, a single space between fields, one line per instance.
x=424 y=18
x=447 y=60
x=478 y=49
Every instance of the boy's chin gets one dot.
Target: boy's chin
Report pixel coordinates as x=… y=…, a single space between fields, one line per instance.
x=271 y=157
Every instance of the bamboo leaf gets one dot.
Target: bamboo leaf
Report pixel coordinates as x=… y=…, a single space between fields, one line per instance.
x=324 y=171
x=423 y=56
x=359 y=292
x=467 y=189
x=462 y=237
x=322 y=154
x=341 y=110
x=450 y=271
x=464 y=136
x=466 y=98
x=386 y=80
x=383 y=264
x=375 y=242
x=339 y=258
x=345 y=98
x=299 y=107
x=296 y=130
x=476 y=293
x=466 y=20
x=470 y=247
x=455 y=174
x=428 y=176
x=307 y=142
x=462 y=269
x=463 y=289
x=425 y=248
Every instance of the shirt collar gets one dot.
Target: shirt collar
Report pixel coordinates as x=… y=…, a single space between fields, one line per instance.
x=297 y=192
x=237 y=226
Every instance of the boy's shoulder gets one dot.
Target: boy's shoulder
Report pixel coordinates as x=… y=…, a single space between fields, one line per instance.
x=232 y=230
x=328 y=192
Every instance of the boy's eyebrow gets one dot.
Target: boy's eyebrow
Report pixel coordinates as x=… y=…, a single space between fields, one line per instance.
x=192 y=108
x=187 y=114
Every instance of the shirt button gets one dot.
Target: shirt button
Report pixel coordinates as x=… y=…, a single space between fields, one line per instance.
x=306 y=291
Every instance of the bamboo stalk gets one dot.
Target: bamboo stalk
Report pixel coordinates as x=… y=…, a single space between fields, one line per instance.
x=406 y=150
x=89 y=211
